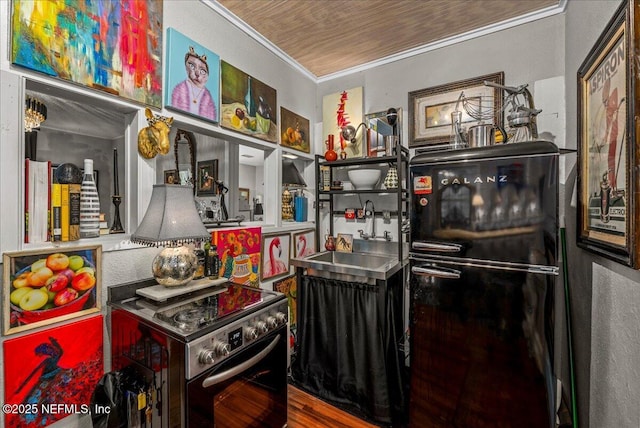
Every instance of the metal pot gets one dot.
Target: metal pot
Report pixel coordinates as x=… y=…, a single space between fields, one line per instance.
x=481 y=136
x=484 y=135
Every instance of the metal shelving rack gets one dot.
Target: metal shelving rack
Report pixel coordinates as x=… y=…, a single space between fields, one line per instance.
x=400 y=160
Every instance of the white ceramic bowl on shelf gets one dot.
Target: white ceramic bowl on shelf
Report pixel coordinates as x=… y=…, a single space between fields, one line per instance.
x=364 y=179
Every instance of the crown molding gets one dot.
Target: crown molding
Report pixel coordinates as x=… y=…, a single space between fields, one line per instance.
x=499 y=26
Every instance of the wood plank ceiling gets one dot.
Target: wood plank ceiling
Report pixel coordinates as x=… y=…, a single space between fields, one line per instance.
x=329 y=36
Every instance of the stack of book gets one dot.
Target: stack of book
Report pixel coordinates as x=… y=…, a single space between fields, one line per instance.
x=65 y=212
x=104 y=227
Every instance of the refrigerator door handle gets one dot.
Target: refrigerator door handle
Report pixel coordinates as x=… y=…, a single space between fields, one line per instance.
x=438 y=272
x=436 y=246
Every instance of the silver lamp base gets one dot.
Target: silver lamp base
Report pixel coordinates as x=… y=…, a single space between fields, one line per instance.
x=174 y=266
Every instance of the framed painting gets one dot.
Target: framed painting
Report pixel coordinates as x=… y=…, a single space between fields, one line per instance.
x=116 y=46
x=430 y=109
x=275 y=256
x=239 y=252
x=608 y=151
x=207 y=176
x=51 y=367
x=248 y=105
x=192 y=77
x=388 y=127
x=42 y=287
x=289 y=287
x=294 y=131
x=341 y=109
x=304 y=243
x=344 y=243
x=171 y=176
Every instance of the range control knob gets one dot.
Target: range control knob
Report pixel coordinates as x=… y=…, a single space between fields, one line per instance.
x=281 y=317
x=221 y=349
x=207 y=356
x=272 y=322
x=261 y=326
x=250 y=333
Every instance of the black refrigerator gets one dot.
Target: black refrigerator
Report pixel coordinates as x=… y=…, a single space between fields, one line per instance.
x=484 y=225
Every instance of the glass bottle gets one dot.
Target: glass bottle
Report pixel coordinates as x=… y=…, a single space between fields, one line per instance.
x=249 y=104
x=89 y=203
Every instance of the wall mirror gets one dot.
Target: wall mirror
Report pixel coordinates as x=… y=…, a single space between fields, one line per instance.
x=386 y=123
x=185 y=154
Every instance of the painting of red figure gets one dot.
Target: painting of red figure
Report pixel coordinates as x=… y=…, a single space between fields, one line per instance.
x=239 y=253
x=51 y=374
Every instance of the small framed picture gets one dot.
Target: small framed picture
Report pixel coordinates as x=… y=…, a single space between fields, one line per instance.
x=42 y=287
x=275 y=255
x=170 y=176
x=207 y=176
x=304 y=243
x=344 y=243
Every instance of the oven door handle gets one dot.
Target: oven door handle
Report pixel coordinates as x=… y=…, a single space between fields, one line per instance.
x=439 y=272
x=221 y=377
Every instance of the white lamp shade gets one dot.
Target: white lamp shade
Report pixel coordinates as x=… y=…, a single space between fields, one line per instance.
x=171 y=218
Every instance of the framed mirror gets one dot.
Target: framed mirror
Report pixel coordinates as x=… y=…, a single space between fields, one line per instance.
x=185 y=153
x=383 y=124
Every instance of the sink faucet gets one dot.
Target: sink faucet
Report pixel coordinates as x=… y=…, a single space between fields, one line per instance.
x=372 y=233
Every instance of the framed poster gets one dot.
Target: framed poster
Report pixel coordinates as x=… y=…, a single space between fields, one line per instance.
x=248 y=105
x=275 y=255
x=111 y=46
x=304 y=243
x=294 y=131
x=42 y=287
x=341 y=109
x=50 y=368
x=430 y=109
x=192 y=77
x=608 y=101
x=207 y=176
x=289 y=287
x=239 y=253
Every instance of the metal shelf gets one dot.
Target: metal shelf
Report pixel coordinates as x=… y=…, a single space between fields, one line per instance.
x=400 y=160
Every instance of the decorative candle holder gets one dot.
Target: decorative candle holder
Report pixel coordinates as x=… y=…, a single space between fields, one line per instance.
x=117 y=225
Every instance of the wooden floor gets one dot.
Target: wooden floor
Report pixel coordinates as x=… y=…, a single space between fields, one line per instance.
x=307 y=411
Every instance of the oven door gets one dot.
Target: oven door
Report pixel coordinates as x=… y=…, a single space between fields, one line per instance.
x=246 y=390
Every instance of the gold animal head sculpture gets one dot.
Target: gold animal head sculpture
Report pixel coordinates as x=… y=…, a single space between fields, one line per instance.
x=154 y=139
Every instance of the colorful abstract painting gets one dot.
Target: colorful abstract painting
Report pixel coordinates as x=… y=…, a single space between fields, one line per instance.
x=239 y=253
x=248 y=105
x=192 y=77
x=341 y=109
x=112 y=46
x=51 y=374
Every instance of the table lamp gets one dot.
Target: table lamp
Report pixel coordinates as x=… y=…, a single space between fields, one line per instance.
x=172 y=222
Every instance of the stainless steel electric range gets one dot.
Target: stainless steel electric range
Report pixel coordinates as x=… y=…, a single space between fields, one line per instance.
x=213 y=357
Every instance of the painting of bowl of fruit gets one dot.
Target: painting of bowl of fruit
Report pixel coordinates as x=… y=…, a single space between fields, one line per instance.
x=45 y=287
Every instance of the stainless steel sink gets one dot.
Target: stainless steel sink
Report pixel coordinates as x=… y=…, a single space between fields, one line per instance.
x=359 y=267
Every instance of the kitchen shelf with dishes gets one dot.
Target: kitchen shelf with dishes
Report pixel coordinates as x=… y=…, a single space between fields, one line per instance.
x=394 y=184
